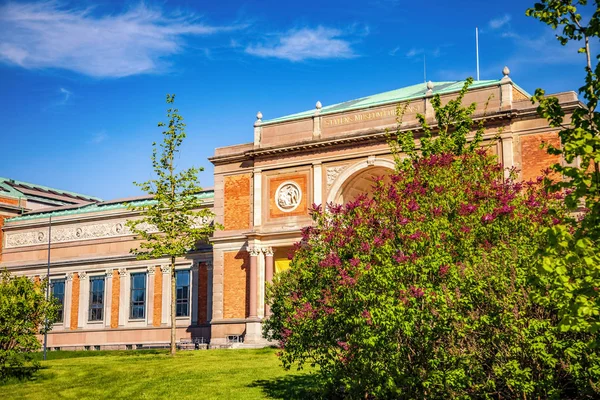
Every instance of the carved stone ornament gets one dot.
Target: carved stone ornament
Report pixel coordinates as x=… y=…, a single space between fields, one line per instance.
x=151 y=269
x=165 y=268
x=70 y=276
x=96 y=230
x=109 y=273
x=268 y=251
x=254 y=251
x=122 y=272
x=82 y=275
x=288 y=196
x=333 y=173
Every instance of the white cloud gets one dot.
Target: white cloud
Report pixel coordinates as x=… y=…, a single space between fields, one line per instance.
x=67 y=95
x=498 y=23
x=98 y=137
x=414 y=52
x=303 y=44
x=137 y=41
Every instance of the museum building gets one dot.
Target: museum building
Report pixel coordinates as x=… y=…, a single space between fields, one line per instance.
x=262 y=194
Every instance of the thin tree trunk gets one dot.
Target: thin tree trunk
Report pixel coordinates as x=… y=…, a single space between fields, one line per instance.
x=173 y=309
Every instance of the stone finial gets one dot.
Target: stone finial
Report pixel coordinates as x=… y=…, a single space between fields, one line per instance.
x=258 y=119
x=318 y=105
x=429 y=87
x=505 y=71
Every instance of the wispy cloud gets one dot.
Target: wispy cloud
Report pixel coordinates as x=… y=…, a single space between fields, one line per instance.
x=98 y=137
x=304 y=44
x=66 y=95
x=499 y=22
x=544 y=49
x=416 y=52
x=136 y=41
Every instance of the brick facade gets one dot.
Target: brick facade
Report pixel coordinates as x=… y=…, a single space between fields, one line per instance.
x=536 y=159
x=202 y=293
x=157 y=312
x=75 y=301
x=235 y=284
x=237 y=202
x=114 y=304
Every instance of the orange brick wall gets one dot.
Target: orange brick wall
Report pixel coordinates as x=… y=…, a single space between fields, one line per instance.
x=302 y=209
x=157 y=312
x=116 y=295
x=235 y=284
x=75 y=301
x=535 y=159
x=237 y=202
x=5 y=200
x=202 y=293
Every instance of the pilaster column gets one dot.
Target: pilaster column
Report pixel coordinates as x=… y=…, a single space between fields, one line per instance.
x=254 y=253
x=194 y=294
x=108 y=284
x=123 y=296
x=84 y=299
x=150 y=295
x=166 y=294
x=268 y=275
x=68 y=301
x=209 y=291
x=317 y=183
x=257 y=197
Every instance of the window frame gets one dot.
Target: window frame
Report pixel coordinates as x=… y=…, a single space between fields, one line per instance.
x=184 y=301
x=91 y=307
x=135 y=304
x=61 y=310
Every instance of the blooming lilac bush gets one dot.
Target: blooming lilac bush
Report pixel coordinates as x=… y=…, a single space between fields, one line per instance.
x=421 y=290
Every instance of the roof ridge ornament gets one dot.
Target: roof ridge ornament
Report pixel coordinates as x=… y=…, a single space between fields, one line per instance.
x=429 y=87
x=259 y=117
x=506 y=73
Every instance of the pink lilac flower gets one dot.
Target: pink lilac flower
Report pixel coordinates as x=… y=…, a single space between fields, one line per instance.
x=413 y=206
x=354 y=262
x=365 y=248
x=487 y=218
x=416 y=292
x=343 y=345
x=465 y=229
x=466 y=209
x=444 y=269
x=367 y=315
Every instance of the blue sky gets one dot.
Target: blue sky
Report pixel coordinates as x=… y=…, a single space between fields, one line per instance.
x=83 y=83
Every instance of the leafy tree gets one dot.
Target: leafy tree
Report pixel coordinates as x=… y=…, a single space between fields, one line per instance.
x=422 y=290
x=177 y=215
x=569 y=270
x=24 y=310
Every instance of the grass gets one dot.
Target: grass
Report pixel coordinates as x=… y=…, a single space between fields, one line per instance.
x=153 y=374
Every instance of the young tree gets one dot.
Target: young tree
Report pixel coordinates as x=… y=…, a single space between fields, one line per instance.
x=24 y=313
x=177 y=214
x=569 y=270
x=422 y=290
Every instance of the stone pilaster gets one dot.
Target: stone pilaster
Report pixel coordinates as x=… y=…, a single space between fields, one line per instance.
x=317 y=183
x=108 y=287
x=123 y=296
x=150 y=295
x=194 y=281
x=269 y=267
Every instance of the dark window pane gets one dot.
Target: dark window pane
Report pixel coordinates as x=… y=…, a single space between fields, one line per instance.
x=57 y=288
x=138 y=296
x=96 y=312
x=183 y=293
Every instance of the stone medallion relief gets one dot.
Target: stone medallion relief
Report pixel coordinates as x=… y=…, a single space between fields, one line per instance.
x=288 y=196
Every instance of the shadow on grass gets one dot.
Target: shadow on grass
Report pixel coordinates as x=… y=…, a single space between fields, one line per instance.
x=291 y=387
x=22 y=374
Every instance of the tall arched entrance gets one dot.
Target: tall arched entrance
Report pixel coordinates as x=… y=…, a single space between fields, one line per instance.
x=359 y=179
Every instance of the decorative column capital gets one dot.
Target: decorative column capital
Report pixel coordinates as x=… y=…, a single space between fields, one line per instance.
x=268 y=251
x=109 y=273
x=195 y=265
x=122 y=272
x=165 y=268
x=254 y=251
x=69 y=276
x=151 y=269
x=82 y=275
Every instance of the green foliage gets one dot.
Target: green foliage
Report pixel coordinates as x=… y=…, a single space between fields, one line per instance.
x=177 y=212
x=568 y=273
x=423 y=290
x=178 y=217
x=24 y=311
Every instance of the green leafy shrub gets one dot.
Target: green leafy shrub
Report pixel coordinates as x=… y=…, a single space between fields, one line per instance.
x=24 y=313
x=423 y=289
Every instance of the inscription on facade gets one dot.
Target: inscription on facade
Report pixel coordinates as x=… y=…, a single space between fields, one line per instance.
x=369 y=115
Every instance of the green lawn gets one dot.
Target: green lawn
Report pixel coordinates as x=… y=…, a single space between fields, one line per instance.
x=202 y=374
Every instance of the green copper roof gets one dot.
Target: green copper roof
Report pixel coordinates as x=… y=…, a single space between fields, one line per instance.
x=94 y=207
x=7 y=189
x=393 y=96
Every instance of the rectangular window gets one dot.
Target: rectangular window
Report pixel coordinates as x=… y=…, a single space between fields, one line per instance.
x=182 y=281
x=57 y=288
x=138 y=296
x=96 y=298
